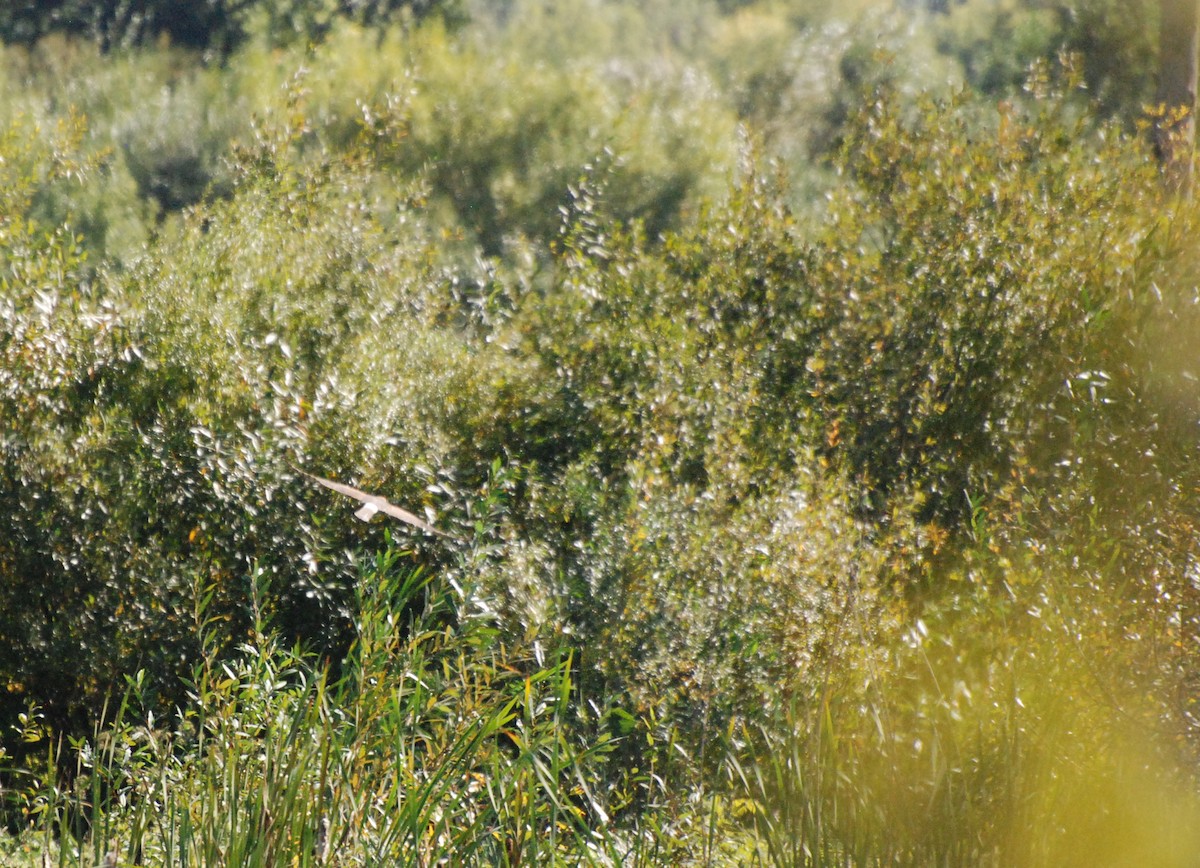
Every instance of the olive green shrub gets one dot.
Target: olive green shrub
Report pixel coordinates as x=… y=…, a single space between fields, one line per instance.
x=962 y=282
x=696 y=548
x=158 y=418
x=57 y=343
x=302 y=319
x=1047 y=680
x=925 y=343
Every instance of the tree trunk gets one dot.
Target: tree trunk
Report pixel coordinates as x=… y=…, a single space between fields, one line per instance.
x=1176 y=129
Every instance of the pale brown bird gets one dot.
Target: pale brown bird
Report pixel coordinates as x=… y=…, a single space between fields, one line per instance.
x=373 y=503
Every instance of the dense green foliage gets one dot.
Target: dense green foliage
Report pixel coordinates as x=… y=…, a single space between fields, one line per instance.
x=213 y=25
x=813 y=427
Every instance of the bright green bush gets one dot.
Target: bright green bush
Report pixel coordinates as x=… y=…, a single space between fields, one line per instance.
x=303 y=320
x=695 y=547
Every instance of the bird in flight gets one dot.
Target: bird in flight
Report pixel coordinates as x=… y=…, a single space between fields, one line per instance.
x=373 y=503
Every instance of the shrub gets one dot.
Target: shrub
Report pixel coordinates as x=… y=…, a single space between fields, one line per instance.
x=696 y=547
x=957 y=297
x=159 y=415
x=55 y=344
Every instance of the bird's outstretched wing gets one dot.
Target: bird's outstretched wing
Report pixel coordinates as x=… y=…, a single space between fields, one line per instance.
x=373 y=503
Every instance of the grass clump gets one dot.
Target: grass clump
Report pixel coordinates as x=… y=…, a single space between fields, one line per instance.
x=430 y=741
